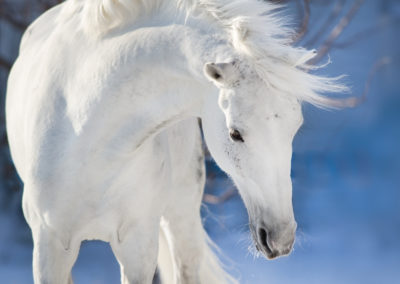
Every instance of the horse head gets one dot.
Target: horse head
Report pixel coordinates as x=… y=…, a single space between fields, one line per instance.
x=250 y=136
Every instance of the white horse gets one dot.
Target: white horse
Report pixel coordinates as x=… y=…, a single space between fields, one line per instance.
x=102 y=110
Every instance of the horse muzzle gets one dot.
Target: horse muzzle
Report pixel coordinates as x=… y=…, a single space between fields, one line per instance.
x=274 y=241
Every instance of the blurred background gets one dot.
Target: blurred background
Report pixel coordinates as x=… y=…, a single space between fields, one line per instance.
x=346 y=164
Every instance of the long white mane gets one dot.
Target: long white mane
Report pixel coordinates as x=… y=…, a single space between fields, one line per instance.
x=256 y=29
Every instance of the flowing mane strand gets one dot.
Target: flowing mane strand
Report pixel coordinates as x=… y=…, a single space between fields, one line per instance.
x=256 y=29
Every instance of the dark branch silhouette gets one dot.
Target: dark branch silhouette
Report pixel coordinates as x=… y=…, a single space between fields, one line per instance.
x=5 y=64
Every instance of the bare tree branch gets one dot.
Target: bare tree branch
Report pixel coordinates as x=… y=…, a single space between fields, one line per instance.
x=7 y=13
x=5 y=64
x=212 y=199
x=378 y=65
x=332 y=17
x=362 y=35
x=337 y=31
x=47 y=4
x=355 y=101
x=304 y=24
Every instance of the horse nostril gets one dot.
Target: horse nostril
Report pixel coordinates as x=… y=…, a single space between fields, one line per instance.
x=262 y=233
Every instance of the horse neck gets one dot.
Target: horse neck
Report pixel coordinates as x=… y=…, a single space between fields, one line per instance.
x=182 y=66
x=168 y=75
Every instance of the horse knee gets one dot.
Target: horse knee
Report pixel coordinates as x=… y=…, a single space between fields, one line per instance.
x=136 y=252
x=52 y=260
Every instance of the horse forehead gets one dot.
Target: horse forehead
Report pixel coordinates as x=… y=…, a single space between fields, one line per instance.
x=268 y=108
x=255 y=95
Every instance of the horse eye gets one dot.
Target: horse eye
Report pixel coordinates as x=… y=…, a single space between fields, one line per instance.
x=235 y=135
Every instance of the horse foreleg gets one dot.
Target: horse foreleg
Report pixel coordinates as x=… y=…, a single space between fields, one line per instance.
x=52 y=259
x=136 y=250
x=194 y=261
x=185 y=237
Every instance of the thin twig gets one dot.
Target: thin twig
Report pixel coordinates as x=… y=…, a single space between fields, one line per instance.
x=352 y=102
x=336 y=32
x=213 y=199
x=378 y=65
x=332 y=17
x=362 y=35
x=355 y=101
x=304 y=23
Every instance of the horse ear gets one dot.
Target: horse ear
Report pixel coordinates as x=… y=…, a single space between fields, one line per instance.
x=219 y=72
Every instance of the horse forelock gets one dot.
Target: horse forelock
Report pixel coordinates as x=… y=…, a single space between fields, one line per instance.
x=257 y=29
